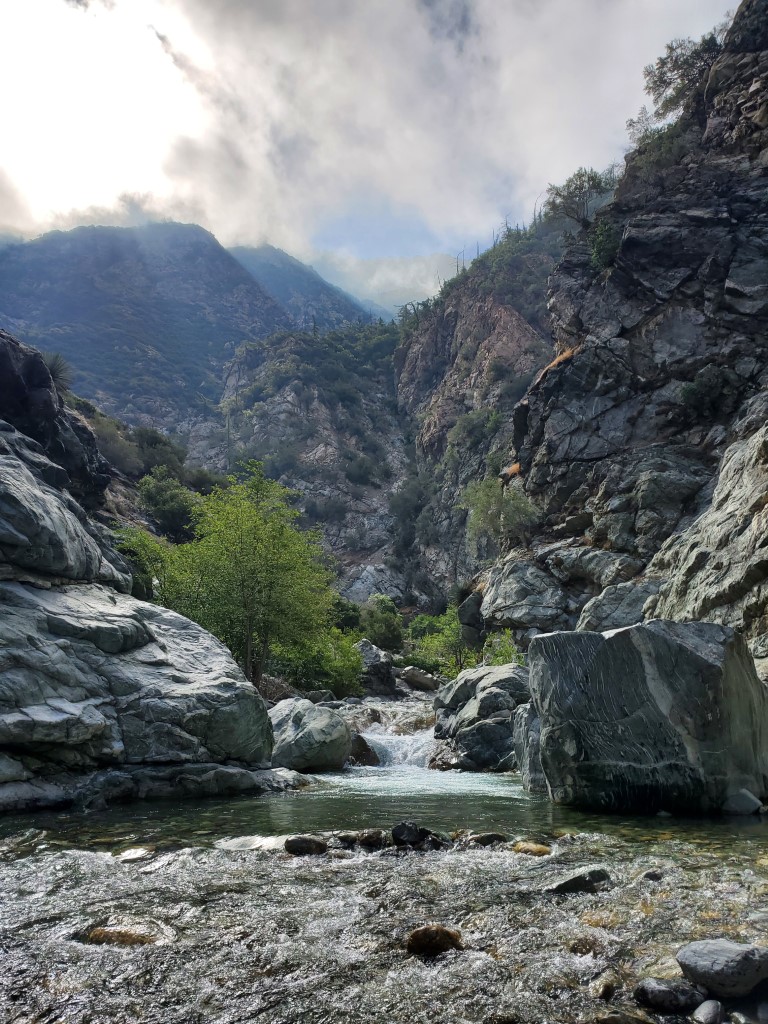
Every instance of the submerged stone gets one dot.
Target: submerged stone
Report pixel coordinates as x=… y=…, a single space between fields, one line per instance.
x=587 y=880
x=432 y=939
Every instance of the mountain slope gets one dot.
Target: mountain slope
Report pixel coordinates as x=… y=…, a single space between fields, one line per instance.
x=312 y=302
x=146 y=316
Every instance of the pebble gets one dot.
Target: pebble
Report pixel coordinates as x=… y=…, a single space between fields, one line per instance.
x=432 y=939
x=305 y=846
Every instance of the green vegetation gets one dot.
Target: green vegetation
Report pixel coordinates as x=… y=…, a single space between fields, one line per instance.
x=381 y=623
x=60 y=370
x=499 y=515
x=169 y=502
x=252 y=579
x=435 y=643
x=604 y=241
x=580 y=195
x=500 y=649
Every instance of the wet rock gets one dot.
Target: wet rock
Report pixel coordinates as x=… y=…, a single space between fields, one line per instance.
x=726 y=969
x=623 y=1015
x=347 y=839
x=709 y=1012
x=407 y=834
x=605 y=987
x=532 y=849
x=588 y=880
x=742 y=802
x=474 y=714
x=378 y=676
x=374 y=839
x=309 y=737
x=362 y=753
x=432 y=939
x=487 y=838
x=418 y=679
x=662 y=715
x=669 y=995
x=118 y=937
x=526 y=743
x=654 y=875
x=305 y=846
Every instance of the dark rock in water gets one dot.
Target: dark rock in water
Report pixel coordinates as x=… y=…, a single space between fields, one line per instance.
x=407 y=834
x=432 y=939
x=587 y=880
x=669 y=995
x=362 y=752
x=487 y=838
x=654 y=875
x=474 y=715
x=378 y=676
x=726 y=969
x=347 y=839
x=305 y=846
x=623 y=1015
x=709 y=1012
x=374 y=839
x=662 y=715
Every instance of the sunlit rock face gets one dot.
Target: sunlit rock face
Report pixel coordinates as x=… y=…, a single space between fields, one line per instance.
x=659 y=716
x=309 y=737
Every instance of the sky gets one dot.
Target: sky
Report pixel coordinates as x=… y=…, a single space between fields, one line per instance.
x=364 y=136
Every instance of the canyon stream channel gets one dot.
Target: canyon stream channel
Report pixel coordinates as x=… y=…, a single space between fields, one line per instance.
x=193 y=913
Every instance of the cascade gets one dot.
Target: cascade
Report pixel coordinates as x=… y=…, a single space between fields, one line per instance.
x=413 y=749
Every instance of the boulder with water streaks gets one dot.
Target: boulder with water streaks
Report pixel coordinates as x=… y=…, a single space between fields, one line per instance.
x=309 y=737
x=662 y=715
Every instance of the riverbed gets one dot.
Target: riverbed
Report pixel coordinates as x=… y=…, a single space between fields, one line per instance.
x=220 y=926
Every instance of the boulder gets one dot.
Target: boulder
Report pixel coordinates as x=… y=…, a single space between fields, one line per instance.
x=362 y=753
x=586 y=880
x=418 y=679
x=617 y=606
x=305 y=846
x=661 y=715
x=432 y=939
x=378 y=676
x=91 y=680
x=520 y=595
x=474 y=714
x=526 y=740
x=726 y=969
x=669 y=995
x=309 y=737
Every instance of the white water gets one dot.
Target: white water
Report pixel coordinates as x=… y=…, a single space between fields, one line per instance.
x=414 y=749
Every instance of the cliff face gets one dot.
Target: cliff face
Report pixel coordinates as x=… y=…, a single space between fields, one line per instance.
x=643 y=441
x=460 y=369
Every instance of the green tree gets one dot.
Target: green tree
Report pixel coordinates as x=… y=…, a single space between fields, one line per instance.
x=578 y=197
x=169 y=502
x=680 y=71
x=381 y=623
x=499 y=515
x=435 y=642
x=250 y=576
x=500 y=649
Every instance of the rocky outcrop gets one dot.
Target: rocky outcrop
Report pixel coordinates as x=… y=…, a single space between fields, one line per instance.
x=475 y=718
x=102 y=697
x=309 y=737
x=643 y=440
x=95 y=685
x=663 y=715
x=526 y=743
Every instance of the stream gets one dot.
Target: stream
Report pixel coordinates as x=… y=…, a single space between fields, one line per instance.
x=194 y=914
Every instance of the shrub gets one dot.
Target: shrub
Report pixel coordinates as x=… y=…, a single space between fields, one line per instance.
x=381 y=623
x=499 y=515
x=168 y=502
x=500 y=649
x=435 y=642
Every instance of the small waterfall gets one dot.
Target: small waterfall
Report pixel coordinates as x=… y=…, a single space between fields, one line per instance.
x=413 y=749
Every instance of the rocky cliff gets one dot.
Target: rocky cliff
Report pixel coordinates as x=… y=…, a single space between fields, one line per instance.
x=644 y=441
x=102 y=697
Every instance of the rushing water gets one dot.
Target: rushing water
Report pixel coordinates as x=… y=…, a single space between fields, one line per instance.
x=233 y=930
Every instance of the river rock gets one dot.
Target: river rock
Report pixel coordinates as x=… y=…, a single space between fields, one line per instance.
x=586 y=880
x=475 y=712
x=309 y=737
x=526 y=742
x=418 y=679
x=305 y=846
x=320 y=696
x=661 y=715
x=378 y=676
x=726 y=969
x=432 y=939
x=667 y=995
x=709 y=1012
x=414 y=837
x=362 y=753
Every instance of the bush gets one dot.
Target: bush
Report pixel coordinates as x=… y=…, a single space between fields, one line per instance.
x=604 y=242
x=381 y=623
x=333 y=663
x=500 y=515
x=168 y=502
x=435 y=642
x=500 y=649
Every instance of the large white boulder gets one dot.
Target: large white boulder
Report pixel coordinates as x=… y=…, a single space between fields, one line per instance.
x=309 y=737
